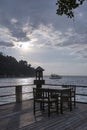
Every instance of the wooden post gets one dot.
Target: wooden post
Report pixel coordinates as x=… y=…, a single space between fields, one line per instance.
x=18 y=92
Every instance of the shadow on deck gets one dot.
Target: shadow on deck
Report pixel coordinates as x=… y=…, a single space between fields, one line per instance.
x=20 y=117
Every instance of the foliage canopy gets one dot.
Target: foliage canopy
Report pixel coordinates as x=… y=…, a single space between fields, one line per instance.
x=10 y=67
x=67 y=6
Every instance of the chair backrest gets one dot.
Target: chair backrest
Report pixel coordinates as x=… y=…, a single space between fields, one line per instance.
x=37 y=93
x=40 y=93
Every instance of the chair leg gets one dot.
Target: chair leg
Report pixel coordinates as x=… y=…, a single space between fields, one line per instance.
x=61 y=105
x=70 y=103
x=57 y=107
x=34 y=108
x=48 y=109
x=74 y=102
x=41 y=106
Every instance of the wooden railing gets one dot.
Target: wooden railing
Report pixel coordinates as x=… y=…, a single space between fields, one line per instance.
x=81 y=91
x=17 y=92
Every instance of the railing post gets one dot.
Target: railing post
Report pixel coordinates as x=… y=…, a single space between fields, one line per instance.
x=18 y=92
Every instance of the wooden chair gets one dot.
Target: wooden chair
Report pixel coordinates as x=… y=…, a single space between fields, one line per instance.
x=43 y=97
x=64 y=99
x=73 y=93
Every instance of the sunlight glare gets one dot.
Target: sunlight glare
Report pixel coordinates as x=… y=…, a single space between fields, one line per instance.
x=25 y=46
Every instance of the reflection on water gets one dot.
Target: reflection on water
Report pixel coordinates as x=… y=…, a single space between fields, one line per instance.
x=75 y=80
x=15 y=81
x=8 y=91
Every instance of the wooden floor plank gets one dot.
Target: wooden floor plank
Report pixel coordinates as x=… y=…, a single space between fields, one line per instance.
x=20 y=117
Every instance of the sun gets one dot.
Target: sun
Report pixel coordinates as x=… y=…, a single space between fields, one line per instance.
x=25 y=46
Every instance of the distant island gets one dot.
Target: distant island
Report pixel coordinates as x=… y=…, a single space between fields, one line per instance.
x=10 y=67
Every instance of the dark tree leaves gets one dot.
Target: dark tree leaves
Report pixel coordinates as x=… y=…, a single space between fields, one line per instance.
x=67 y=6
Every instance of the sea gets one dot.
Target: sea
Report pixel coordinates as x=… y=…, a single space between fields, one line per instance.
x=27 y=87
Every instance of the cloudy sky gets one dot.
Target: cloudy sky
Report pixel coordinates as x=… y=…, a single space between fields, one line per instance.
x=31 y=30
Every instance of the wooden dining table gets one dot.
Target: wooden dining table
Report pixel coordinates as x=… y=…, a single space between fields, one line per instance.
x=61 y=92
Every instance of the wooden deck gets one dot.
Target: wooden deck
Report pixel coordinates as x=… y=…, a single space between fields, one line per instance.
x=20 y=117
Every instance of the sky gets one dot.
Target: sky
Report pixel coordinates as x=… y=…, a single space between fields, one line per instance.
x=31 y=30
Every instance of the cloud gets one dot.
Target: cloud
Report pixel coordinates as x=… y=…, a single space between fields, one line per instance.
x=43 y=36
x=6 y=35
x=18 y=31
x=37 y=23
x=47 y=36
x=14 y=21
x=6 y=44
